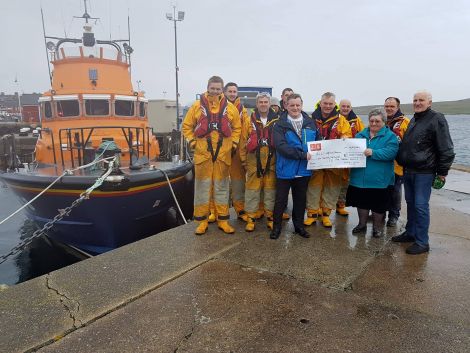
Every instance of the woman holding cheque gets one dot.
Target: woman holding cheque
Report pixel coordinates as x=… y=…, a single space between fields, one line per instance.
x=368 y=186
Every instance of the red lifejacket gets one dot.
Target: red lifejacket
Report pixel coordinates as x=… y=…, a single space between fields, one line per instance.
x=328 y=129
x=209 y=121
x=353 y=125
x=395 y=125
x=261 y=136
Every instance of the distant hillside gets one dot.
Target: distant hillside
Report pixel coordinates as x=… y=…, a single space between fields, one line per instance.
x=448 y=107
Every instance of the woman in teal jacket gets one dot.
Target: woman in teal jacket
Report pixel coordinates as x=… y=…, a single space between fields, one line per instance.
x=368 y=187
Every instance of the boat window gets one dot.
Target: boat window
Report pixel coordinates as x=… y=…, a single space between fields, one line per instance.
x=142 y=108
x=47 y=109
x=124 y=108
x=97 y=107
x=66 y=108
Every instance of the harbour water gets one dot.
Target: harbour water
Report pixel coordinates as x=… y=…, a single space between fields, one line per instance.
x=42 y=257
x=459 y=130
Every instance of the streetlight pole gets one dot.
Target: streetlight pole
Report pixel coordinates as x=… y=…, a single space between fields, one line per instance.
x=173 y=17
x=20 y=110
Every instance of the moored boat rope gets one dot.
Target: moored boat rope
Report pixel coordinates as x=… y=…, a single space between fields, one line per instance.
x=174 y=196
x=66 y=172
x=62 y=213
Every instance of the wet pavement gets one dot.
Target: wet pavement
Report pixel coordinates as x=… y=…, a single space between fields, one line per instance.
x=334 y=292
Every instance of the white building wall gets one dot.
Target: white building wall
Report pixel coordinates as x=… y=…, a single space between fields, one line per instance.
x=162 y=114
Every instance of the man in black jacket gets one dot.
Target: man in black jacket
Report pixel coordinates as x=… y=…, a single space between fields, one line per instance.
x=426 y=153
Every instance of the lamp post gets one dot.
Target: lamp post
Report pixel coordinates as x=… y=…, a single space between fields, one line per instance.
x=176 y=17
x=173 y=17
x=20 y=110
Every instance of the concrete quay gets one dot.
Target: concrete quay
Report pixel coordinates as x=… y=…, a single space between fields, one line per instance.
x=334 y=292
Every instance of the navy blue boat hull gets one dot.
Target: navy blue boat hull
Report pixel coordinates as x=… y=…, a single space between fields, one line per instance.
x=113 y=216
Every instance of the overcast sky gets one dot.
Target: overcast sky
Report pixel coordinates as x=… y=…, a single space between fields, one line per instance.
x=364 y=50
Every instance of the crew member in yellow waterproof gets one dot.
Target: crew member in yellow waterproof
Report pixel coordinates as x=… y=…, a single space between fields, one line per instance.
x=258 y=154
x=355 y=122
x=398 y=123
x=237 y=170
x=325 y=184
x=212 y=128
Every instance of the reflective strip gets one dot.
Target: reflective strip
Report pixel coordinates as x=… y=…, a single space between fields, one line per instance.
x=44 y=99
x=66 y=97
x=202 y=218
x=125 y=98
x=96 y=96
x=142 y=99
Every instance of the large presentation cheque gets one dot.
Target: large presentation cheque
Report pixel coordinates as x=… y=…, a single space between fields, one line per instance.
x=341 y=153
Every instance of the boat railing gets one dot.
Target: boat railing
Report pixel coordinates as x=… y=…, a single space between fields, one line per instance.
x=77 y=142
x=101 y=53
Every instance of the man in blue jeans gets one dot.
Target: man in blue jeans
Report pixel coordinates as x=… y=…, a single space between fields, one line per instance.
x=426 y=153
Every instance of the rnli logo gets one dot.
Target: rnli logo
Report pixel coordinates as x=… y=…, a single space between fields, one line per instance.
x=315 y=147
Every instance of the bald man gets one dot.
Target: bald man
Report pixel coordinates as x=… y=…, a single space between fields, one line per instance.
x=426 y=153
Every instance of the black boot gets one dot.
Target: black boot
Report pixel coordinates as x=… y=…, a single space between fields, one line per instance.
x=362 y=226
x=403 y=238
x=378 y=224
x=275 y=233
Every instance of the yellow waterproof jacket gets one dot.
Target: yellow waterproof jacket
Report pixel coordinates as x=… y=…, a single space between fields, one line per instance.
x=199 y=145
x=399 y=125
x=244 y=121
x=356 y=125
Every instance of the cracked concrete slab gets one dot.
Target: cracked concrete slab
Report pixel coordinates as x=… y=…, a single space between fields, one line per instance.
x=30 y=313
x=107 y=281
x=207 y=310
x=71 y=305
x=84 y=291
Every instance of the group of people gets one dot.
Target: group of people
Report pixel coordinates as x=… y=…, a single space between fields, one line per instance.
x=261 y=157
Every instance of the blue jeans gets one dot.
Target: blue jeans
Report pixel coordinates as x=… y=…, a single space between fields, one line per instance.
x=417 y=195
x=395 y=204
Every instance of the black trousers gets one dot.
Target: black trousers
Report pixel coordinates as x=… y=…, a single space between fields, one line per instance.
x=299 y=199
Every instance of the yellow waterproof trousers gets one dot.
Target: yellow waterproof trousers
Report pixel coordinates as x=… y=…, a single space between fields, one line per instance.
x=237 y=180
x=260 y=192
x=211 y=176
x=323 y=189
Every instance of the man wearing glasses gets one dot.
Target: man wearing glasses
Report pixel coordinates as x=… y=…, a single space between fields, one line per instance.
x=398 y=123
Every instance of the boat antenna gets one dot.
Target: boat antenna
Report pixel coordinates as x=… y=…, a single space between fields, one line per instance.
x=45 y=46
x=86 y=15
x=129 y=38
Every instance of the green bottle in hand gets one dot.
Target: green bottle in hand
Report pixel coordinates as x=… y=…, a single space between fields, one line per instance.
x=438 y=183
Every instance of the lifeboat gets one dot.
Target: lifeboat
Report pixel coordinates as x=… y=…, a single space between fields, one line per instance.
x=94 y=130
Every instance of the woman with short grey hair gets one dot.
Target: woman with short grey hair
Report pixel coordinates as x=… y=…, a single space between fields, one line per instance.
x=368 y=187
